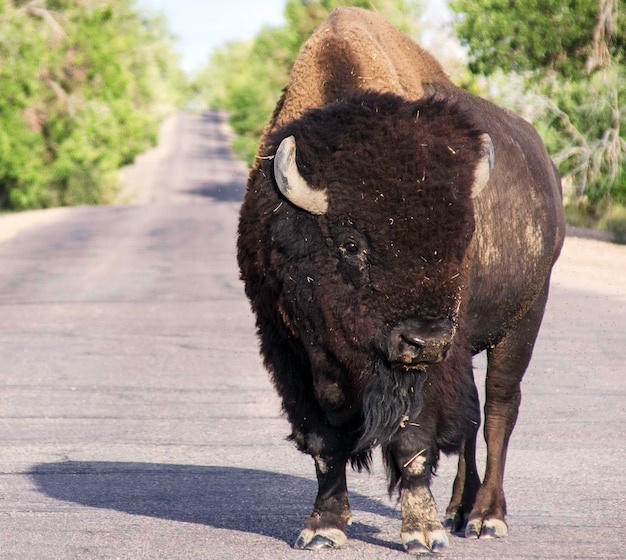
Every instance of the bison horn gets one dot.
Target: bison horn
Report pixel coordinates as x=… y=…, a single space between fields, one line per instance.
x=292 y=184
x=485 y=165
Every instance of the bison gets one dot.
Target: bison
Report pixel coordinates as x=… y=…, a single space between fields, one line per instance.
x=394 y=226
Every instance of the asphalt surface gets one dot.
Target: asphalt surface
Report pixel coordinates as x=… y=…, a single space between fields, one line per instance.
x=137 y=422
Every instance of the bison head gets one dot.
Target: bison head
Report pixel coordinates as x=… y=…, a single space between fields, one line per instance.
x=387 y=188
x=367 y=215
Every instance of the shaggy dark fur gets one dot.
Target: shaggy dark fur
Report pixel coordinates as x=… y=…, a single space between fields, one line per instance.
x=398 y=175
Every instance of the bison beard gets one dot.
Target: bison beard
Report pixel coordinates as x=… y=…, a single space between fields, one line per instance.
x=435 y=410
x=391 y=397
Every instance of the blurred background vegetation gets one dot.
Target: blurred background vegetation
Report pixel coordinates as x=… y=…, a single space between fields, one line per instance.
x=84 y=85
x=83 y=88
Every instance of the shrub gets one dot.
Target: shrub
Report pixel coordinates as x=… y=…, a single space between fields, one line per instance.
x=615 y=222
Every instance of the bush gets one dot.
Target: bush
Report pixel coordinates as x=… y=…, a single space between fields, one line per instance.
x=83 y=88
x=615 y=222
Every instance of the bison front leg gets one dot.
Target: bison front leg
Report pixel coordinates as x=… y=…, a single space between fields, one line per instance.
x=325 y=528
x=422 y=531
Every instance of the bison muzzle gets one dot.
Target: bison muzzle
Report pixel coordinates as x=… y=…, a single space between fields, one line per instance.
x=418 y=343
x=394 y=226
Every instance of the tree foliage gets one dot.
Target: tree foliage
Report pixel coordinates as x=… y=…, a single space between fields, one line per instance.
x=83 y=86
x=518 y=36
x=571 y=55
x=247 y=79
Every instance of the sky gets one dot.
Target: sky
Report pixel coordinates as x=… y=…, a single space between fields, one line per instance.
x=201 y=26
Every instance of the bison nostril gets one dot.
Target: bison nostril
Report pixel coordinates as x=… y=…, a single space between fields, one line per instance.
x=413 y=349
x=410 y=348
x=414 y=340
x=416 y=343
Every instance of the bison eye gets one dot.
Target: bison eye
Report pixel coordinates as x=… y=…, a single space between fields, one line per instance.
x=351 y=247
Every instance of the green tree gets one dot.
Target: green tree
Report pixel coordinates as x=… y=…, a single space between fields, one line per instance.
x=247 y=79
x=571 y=55
x=83 y=86
x=518 y=36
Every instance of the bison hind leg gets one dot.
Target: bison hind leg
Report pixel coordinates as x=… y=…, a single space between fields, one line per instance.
x=493 y=528
x=467 y=481
x=506 y=365
x=464 y=490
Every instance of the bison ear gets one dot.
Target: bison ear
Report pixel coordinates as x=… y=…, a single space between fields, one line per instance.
x=293 y=186
x=485 y=165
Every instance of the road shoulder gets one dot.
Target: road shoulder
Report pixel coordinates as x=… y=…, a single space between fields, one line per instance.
x=14 y=224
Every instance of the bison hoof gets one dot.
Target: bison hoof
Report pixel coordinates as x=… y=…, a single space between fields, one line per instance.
x=487 y=529
x=424 y=542
x=456 y=524
x=323 y=538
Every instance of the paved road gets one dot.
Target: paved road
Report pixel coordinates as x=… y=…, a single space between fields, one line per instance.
x=136 y=421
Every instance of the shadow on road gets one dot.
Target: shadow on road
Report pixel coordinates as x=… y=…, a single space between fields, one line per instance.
x=247 y=500
x=220 y=192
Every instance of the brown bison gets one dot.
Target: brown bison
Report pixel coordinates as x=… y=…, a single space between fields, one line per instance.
x=393 y=227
